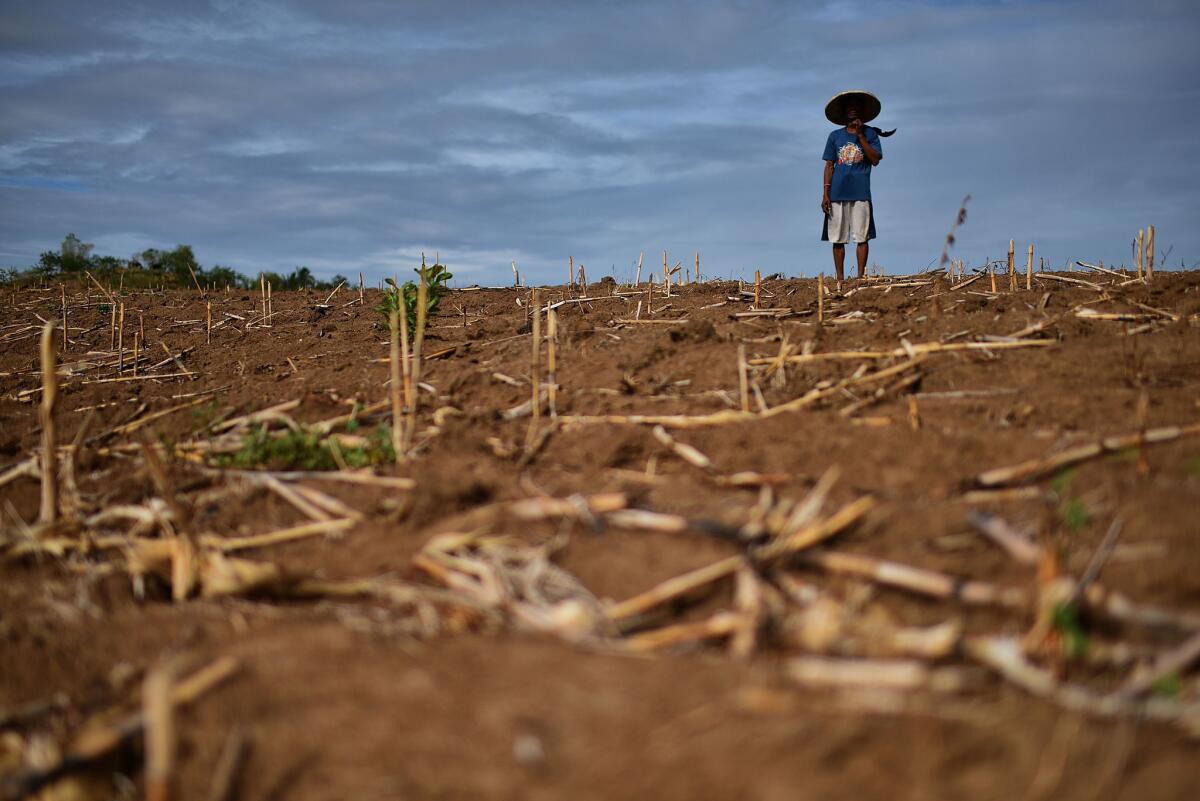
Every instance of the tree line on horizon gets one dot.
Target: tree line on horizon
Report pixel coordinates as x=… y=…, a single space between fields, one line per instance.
x=154 y=267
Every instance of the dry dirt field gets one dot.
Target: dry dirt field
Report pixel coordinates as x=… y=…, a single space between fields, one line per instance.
x=471 y=624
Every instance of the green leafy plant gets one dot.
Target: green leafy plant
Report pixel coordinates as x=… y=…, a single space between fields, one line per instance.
x=353 y=423
x=1169 y=686
x=436 y=278
x=1074 y=638
x=1075 y=515
x=1062 y=481
x=205 y=416
x=1125 y=455
x=300 y=449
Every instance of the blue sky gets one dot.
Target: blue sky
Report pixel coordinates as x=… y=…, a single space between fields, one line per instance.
x=351 y=136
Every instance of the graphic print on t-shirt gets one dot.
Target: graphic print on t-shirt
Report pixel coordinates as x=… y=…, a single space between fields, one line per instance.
x=850 y=153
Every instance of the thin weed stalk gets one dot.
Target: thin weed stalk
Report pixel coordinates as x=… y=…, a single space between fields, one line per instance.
x=535 y=362
x=552 y=360
x=49 y=507
x=418 y=342
x=394 y=368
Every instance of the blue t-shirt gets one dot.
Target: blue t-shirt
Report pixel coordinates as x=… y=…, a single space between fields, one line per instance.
x=851 y=170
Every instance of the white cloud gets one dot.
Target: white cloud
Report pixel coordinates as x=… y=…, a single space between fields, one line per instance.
x=263 y=146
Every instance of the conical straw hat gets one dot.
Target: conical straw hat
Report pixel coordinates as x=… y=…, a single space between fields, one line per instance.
x=868 y=106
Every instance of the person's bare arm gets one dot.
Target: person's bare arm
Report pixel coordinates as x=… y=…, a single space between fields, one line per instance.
x=826 y=205
x=873 y=155
x=858 y=129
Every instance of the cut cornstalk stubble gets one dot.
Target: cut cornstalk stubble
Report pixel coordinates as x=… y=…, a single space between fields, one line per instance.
x=1036 y=468
x=918 y=580
x=106 y=731
x=415 y=368
x=1016 y=544
x=395 y=371
x=49 y=455
x=720 y=625
x=684 y=451
x=887 y=674
x=724 y=568
x=552 y=360
x=1004 y=656
x=158 y=714
x=535 y=368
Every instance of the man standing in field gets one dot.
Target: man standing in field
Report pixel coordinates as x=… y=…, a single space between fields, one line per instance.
x=850 y=153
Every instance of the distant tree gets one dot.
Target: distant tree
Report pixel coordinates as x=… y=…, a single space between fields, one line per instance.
x=276 y=280
x=49 y=262
x=300 y=278
x=109 y=263
x=150 y=258
x=220 y=276
x=177 y=261
x=76 y=255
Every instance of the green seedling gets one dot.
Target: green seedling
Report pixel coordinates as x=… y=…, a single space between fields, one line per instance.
x=1125 y=455
x=436 y=277
x=1075 y=515
x=307 y=450
x=1168 y=686
x=1066 y=622
x=353 y=424
x=1061 y=482
x=205 y=416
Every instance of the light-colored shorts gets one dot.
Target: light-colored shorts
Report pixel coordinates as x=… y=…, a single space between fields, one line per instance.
x=849 y=221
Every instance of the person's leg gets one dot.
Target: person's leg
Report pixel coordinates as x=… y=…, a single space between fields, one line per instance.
x=838 y=228
x=860 y=230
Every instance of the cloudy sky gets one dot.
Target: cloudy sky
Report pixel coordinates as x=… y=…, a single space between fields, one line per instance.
x=351 y=136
